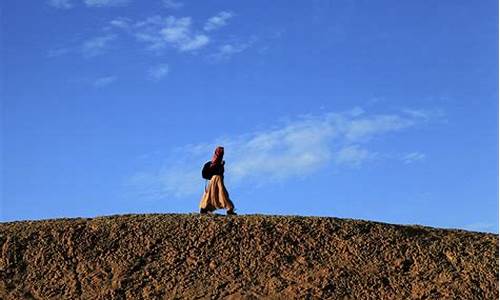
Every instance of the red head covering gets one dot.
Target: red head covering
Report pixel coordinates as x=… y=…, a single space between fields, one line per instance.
x=219 y=153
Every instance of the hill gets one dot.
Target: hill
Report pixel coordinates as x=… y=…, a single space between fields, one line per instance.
x=242 y=257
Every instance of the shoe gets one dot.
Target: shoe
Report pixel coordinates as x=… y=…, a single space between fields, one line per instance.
x=231 y=213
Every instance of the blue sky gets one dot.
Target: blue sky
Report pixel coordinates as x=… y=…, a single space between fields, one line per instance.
x=379 y=110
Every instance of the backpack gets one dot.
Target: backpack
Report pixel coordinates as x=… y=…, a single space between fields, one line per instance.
x=206 y=172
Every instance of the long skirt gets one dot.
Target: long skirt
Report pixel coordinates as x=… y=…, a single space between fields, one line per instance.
x=216 y=196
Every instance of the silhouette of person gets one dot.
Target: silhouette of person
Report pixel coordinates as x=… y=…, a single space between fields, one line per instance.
x=216 y=195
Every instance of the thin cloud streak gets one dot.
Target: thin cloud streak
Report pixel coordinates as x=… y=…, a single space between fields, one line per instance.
x=482 y=227
x=120 y=22
x=218 y=21
x=172 y=4
x=227 y=50
x=158 y=72
x=106 y=3
x=96 y=46
x=413 y=157
x=104 y=81
x=61 y=4
x=296 y=149
x=353 y=155
x=160 y=32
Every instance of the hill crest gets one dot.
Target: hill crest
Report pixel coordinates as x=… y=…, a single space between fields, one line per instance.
x=176 y=256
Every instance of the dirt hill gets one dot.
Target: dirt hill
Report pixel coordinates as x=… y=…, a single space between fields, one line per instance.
x=242 y=257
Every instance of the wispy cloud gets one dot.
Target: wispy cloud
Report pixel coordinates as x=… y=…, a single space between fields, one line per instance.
x=227 y=50
x=365 y=128
x=218 y=21
x=172 y=4
x=482 y=226
x=88 y=48
x=413 y=157
x=96 y=46
x=160 y=32
x=104 y=81
x=63 y=4
x=158 y=72
x=427 y=114
x=104 y=3
x=67 y=4
x=353 y=155
x=294 y=149
x=120 y=22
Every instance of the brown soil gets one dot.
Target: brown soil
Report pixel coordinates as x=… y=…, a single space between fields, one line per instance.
x=242 y=257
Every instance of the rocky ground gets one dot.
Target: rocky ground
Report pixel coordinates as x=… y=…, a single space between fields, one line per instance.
x=242 y=257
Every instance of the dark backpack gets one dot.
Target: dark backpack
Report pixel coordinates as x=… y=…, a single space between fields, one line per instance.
x=206 y=172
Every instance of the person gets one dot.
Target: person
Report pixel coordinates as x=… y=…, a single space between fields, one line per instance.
x=216 y=195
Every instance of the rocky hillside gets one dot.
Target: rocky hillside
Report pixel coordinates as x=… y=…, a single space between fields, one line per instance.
x=242 y=257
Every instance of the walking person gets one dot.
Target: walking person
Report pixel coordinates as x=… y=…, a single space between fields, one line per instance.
x=215 y=195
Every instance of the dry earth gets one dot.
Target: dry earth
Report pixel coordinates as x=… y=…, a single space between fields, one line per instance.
x=242 y=257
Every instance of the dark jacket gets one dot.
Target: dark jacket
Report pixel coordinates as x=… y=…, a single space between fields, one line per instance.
x=217 y=169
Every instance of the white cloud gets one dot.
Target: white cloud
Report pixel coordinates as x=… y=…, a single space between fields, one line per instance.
x=88 y=48
x=178 y=33
x=482 y=226
x=97 y=45
x=148 y=31
x=294 y=149
x=63 y=4
x=103 y=3
x=172 y=4
x=367 y=127
x=353 y=155
x=227 y=50
x=104 y=81
x=158 y=72
x=218 y=21
x=194 y=43
x=413 y=157
x=120 y=22
x=417 y=113
x=67 y=4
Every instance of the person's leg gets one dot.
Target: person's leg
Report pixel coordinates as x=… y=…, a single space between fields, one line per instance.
x=207 y=209
x=206 y=205
x=228 y=203
x=223 y=200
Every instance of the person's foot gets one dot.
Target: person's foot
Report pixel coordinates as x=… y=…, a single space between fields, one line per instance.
x=231 y=213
